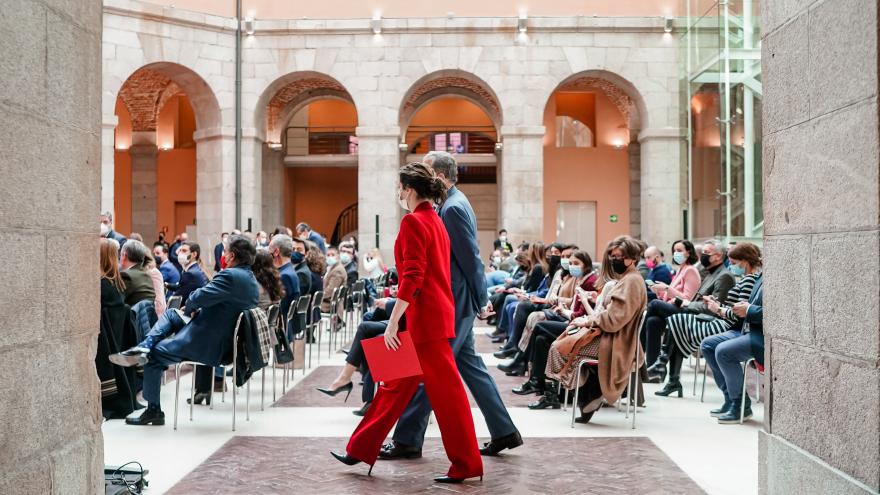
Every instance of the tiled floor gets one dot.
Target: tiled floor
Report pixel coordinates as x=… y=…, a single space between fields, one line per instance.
x=680 y=428
x=270 y=465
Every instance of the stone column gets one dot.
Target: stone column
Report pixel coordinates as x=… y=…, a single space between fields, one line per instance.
x=50 y=196
x=215 y=184
x=273 y=170
x=144 y=185
x=521 y=183
x=661 y=186
x=822 y=248
x=251 y=181
x=634 y=152
x=378 y=163
x=108 y=163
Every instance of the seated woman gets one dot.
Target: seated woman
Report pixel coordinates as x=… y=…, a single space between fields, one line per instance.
x=374 y=267
x=334 y=279
x=617 y=324
x=683 y=287
x=268 y=278
x=538 y=268
x=580 y=269
x=317 y=264
x=688 y=330
x=118 y=387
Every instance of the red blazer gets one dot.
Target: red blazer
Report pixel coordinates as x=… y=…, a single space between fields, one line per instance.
x=421 y=253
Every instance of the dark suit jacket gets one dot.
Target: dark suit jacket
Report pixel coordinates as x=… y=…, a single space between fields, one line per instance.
x=290 y=281
x=718 y=284
x=218 y=253
x=319 y=240
x=208 y=336
x=421 y=253
x=118 y=237
x=466 y=267
x=755 y=320
x=190 y=280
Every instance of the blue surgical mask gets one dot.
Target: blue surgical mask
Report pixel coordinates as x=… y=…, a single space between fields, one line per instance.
x=297 y=257
x=576 y=271
x=736 y=270
x=331 y=260
x=678 y=258
x=565 y=263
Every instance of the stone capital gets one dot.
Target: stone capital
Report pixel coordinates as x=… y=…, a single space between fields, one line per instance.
x=675 y=133
x=523 y=131
x=143 y=150
x=377 y=131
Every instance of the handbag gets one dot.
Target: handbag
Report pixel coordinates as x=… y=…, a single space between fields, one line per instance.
x=283 y=352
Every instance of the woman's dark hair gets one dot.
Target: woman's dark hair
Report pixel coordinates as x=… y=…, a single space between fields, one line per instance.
x=424 y=181
x=746 y=251
x=243 y=250
x=692 y=257
x=584 y=258
x=267 y=275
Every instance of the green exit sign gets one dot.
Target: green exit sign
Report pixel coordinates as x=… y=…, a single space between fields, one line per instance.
x=613 y=218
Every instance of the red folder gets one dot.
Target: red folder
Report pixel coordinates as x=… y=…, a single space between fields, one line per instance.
x=388 y=364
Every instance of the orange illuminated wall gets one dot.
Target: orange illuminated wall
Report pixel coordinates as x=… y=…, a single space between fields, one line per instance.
x=332 y=113
x=447 y=113
x=599 y=174
x=578 y=105
x=317 y=195
x=175 y=167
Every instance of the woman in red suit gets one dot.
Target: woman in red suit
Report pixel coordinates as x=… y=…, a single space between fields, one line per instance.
x=424 y=293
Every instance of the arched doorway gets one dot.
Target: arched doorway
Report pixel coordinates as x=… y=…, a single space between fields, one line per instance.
x=455 y=111
x=156 y=155
x=592 y=162
x=309 y=162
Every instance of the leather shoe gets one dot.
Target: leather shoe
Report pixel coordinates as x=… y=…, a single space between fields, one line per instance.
x=363 y=410
x=394 y=451
x=199 y=398
x=528 y=388
x=549 y=399
x=505 y=353
x=493 y=447
x=498 y=340
x=148 y=417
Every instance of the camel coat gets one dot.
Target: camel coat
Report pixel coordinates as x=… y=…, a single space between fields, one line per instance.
x=619 y=324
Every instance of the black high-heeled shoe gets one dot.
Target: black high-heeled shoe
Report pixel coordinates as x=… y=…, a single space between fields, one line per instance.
x=199 y=398
x=671 y=387
x=349 y=460
x=332 y=392
x=451 y=480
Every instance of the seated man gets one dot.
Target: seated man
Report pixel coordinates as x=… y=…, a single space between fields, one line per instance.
x=207 y=337
x=658 y=271
x=725 y=352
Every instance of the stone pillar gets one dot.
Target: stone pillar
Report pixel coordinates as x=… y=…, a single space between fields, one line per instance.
x=251 y=181
x=274 y=176
x=144 y=184
x=50 y=196
x=108 y=163
x=215 y=184
x=521 y=179
x=634 y=152
x=378 y=163
x=822 y=248
x=661 y=186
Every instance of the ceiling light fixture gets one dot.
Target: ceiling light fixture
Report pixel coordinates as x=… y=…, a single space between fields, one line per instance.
x=667 y=27
x=522 y=24
x=248 y=26
x=376 y=24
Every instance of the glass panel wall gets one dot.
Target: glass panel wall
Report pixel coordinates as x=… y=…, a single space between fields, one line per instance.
x=721 y=80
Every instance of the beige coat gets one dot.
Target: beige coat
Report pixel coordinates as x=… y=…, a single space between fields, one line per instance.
x=334 y=279
x=619 y=322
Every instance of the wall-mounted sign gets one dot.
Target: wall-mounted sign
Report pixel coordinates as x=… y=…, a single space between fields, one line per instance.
x=613 y=218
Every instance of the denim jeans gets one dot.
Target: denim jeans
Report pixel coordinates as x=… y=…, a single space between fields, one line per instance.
x=725 y=354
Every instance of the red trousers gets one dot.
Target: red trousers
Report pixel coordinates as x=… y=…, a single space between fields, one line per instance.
x=448 y=399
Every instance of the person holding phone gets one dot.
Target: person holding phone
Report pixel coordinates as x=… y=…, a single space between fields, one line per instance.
x=422 y=256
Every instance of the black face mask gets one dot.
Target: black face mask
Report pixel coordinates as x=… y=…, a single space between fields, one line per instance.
x=554 y=261
x=704 y=260
x=619 y=266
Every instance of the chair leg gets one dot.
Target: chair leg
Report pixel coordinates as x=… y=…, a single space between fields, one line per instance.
x=223 y=387
x=263 y=389
x=705 y=372
x=247 y=402
x=211 y=390
x=574 y=404
x=564 y=399
x=743 y=393
x=192 y=393
x=636 y=400
x=233 y=393
x=274 y=398
x=176 y=391
x=696 y=371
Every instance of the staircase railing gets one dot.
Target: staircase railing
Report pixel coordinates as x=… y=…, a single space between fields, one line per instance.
x=346 y=222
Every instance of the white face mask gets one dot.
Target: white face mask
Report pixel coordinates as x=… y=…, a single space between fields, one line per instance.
x=401 y=200
x=183 y=259
x=497 y=260
x=331 y=260
x=371 y=264
x=503 y=238
x=105 y=229
x=345 y=258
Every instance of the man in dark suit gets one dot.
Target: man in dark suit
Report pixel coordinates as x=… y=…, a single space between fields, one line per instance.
x=218 y=251
x=725 y=353
x=470 y=297
x=298 y=259
x=658 y=271
x=206 y=338
x=305 y=232
x=107 y=229
x=349 y=262
x=281 y=248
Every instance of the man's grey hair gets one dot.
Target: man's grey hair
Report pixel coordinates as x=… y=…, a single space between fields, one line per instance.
x=443 y=163
x=718 y=245
x=284 y=244
x=303 y=227
x=136 y=251
x=108 y=215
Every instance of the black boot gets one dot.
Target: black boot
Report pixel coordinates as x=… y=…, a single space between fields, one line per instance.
x=549 y=399
x=199 y=398
x=673 y=385
x=151 y=415
x=657 y=371
x=528 y=388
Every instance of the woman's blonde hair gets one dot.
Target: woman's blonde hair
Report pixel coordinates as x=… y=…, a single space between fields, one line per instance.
x=110 y=263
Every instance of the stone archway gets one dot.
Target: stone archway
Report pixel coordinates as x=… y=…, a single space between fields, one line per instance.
x=144 y=94
x=284 y=99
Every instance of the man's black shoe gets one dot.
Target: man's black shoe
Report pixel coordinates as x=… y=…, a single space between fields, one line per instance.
x=506 y=352
x=498 y=340
x=511 y=441
x=148 y=417
x=528 y=388
x=394 y=451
